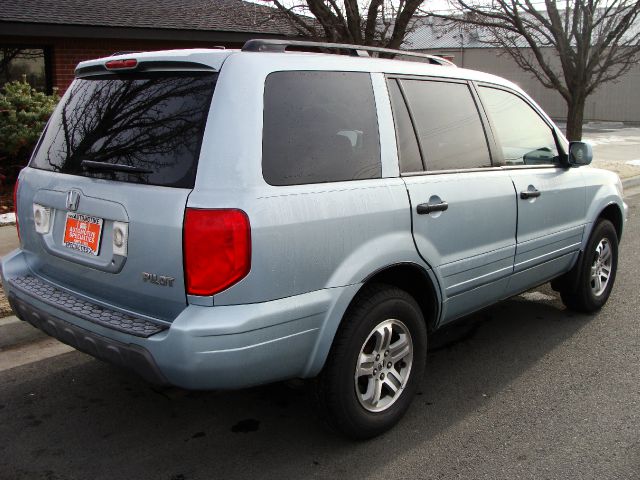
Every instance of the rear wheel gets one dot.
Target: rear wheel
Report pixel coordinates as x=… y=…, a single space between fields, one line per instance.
x=375 y=364
x=597 y=271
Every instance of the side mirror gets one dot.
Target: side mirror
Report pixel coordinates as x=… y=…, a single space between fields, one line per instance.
x=580 y=153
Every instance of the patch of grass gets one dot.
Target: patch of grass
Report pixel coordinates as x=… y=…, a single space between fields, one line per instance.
x=5 y=309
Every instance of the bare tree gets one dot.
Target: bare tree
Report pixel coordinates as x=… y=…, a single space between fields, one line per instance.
x=594 y=42
x=148 y=123
x=382 y=23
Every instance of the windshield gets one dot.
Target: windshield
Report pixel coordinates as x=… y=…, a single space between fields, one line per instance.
x=153 y=122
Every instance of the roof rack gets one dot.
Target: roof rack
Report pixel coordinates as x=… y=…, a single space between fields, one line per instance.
x=259 y=45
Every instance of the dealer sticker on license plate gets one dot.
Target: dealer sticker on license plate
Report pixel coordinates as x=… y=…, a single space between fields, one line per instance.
x=82 y=232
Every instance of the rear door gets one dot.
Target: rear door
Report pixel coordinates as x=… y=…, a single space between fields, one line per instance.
x=463 y=209
x=551 y=198
x=112 y=175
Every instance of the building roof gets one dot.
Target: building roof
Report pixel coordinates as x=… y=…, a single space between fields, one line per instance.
x=194 y=15
x=428 y=33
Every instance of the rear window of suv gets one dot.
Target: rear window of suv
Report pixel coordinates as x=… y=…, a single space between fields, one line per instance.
x=151 y=123
x=319 y=127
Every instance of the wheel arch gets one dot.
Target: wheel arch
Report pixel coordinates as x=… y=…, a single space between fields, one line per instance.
x=416 y=281
x=613 y=213
x=569 y=280
x=411 y=277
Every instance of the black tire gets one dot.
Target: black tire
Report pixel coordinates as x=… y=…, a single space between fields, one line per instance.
x=335 y=389
x=583 y=298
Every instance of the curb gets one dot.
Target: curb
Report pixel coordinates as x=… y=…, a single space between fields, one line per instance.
x=9 y=320
x=631 y=182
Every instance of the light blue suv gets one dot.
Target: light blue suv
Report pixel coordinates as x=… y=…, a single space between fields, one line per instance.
x=215 y=219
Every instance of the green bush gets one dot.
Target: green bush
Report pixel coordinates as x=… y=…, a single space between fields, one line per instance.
x=23 y=114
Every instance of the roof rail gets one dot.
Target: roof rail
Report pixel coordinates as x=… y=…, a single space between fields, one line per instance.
x=260 y=45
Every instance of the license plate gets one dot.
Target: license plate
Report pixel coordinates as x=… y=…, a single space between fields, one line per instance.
x=82 y=233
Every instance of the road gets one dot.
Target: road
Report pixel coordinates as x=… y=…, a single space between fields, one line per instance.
x=524 y=389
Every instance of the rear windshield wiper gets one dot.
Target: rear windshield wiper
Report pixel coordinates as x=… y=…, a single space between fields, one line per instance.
x=113 y=167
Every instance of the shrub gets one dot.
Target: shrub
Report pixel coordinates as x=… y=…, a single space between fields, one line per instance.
x=23 y=114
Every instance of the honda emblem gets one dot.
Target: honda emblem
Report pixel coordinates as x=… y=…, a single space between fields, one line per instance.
x=73 y=199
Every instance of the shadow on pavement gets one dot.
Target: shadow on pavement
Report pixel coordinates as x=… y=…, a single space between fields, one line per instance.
x=75 y=417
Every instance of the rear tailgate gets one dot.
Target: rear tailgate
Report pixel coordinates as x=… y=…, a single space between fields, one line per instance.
x=112 y=175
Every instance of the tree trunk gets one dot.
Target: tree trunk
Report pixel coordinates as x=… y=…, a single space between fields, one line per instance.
x=575 y=117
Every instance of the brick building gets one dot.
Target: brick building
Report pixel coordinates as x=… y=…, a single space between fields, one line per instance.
x=45 y=39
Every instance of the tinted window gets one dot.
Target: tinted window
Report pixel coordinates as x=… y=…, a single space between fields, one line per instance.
x=408 y=151
x=319 y=127
x=153 y=122
x=448 y=124
x=524 y=137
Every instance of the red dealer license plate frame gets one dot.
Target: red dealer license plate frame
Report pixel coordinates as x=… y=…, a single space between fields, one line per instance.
x=83 y=232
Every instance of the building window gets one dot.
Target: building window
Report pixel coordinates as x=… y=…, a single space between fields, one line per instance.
x=32 y=63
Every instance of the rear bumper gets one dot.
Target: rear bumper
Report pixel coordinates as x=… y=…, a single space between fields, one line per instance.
x=124 y=355
x=221 y=347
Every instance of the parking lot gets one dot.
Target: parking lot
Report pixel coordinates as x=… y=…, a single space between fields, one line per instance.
x=524 y=389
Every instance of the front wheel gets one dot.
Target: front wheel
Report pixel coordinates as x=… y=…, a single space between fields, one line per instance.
x=597 y=271
x=375 y=364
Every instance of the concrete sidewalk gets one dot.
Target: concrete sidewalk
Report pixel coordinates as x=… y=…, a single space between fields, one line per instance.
x=615 y=148
x=8 y=239
x=8 y=242
x=21 y=344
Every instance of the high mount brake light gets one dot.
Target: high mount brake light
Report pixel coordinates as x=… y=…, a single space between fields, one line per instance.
x=121 y=64
x=217 y=249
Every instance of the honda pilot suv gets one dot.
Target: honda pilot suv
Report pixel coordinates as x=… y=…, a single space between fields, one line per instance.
x=216 y=219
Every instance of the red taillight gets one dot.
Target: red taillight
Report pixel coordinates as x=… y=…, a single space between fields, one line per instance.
x=217 y=249
x=15 y=206
x=120 y=64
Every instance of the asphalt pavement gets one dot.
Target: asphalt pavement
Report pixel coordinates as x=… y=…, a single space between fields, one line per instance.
x=522 y=390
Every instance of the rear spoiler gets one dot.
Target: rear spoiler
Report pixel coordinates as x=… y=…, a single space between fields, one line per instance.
x=143 y=66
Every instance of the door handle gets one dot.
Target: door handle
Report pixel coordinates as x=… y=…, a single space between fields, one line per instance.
x=431 y=207
x=526 y=194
